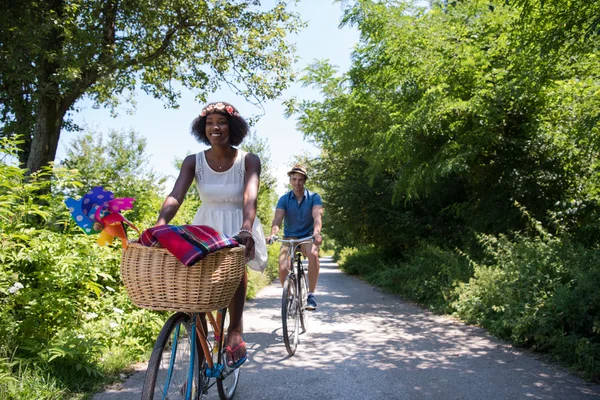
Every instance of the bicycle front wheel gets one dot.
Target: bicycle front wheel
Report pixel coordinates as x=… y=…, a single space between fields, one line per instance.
x=168 y=375
x=290 y=314
x=304 y=295
x=228 y=381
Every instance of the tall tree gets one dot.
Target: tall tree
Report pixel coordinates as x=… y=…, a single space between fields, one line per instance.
x=266 y=191
x=454 y=113
x=54 y=52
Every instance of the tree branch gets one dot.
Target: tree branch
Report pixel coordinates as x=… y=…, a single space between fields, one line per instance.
x=109 y=12
x=163 y=46
x=91 y=76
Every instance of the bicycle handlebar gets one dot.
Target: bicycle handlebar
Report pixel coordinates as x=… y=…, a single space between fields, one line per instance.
x=292 y=242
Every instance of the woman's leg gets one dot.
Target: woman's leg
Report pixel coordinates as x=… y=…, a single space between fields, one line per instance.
x=236 y=310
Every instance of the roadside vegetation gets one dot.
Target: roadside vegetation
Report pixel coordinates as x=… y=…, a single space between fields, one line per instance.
x=460 y=168
x=460 y=163
x=66 y=323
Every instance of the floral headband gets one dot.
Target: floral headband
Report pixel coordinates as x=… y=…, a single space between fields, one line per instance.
x=219 y=107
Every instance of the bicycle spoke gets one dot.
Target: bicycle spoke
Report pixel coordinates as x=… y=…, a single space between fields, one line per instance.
x=228 y=381
x=290 y=309
x=169 y=372
x=303 y=312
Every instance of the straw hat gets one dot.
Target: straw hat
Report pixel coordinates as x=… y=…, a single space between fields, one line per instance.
x=298 y=169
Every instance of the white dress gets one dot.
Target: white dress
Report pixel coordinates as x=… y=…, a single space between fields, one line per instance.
x=222 y=195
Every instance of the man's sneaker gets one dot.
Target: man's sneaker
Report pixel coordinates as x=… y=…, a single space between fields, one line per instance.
x=311 y=303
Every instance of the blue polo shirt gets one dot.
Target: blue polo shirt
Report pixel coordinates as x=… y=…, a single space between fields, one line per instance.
x=298 y=221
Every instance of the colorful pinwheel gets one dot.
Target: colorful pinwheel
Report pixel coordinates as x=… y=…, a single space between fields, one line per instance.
x=99 y=212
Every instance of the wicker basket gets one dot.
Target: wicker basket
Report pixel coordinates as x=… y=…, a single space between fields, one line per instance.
x=156 y=280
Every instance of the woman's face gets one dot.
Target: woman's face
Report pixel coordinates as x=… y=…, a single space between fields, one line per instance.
x=217 y=129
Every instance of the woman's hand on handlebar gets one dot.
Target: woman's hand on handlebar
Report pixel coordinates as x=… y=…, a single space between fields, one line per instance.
x=247 y=240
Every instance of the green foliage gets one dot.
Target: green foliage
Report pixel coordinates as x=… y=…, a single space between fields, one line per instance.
x=461 y=156
x=580 y=24
x=449 y=115
x=119 y=164
x=540 y=293
x=30 y=383
x=272 y=270
x=63 y=306
x=266 y=191
x=55 y=53
x=428 y=275
x=257 y=280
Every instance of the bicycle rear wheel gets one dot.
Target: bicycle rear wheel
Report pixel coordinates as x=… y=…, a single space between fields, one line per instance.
x=228 y=381
x=168 y=371
x=290 y=314
x=304 y=295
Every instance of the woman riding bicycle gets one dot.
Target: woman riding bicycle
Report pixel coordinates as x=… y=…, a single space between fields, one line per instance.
x=227 y=180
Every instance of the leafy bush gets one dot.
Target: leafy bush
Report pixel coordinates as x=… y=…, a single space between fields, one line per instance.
x=63 y=307
x=539 y=292
x=65 y=318
x=428 y=275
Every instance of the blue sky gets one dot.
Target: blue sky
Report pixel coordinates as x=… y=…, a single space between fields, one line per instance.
x=167 y=130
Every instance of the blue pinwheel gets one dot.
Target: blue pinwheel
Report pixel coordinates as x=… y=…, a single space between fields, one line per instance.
x=98 y=211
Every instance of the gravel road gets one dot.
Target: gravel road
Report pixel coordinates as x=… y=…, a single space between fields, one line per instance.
x=365 y=344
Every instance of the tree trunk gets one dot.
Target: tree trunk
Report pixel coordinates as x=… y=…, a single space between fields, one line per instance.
x=48 y=121
x=50 y=112
x=23 y=123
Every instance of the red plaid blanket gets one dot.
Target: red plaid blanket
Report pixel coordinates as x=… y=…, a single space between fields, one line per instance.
x=189 y=243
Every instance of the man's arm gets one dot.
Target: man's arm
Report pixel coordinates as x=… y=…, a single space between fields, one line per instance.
x=317 y=213
x=276 y=224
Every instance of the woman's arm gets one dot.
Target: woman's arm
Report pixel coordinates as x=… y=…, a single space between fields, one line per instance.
x=252 y=164
x=175 y=198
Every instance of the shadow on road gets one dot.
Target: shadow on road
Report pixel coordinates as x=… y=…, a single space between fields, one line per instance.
x=374 y=345
x=365 y=344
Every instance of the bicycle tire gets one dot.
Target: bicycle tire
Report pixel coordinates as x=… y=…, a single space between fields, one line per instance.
x=290 y=314
x=227 y=383
x=304 y=295
x=157 y=375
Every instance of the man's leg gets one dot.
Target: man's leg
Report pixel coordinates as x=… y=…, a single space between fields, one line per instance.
x=284 y=263
x=311 y=251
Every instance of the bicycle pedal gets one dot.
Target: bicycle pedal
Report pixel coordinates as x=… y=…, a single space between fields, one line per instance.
x=214 y=372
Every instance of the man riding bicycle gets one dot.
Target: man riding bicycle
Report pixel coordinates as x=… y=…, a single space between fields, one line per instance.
x=301 y=210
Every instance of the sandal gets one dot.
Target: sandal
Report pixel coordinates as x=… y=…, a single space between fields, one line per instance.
x=229 y=355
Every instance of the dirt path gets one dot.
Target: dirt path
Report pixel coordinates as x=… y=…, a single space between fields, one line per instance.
x=364 y=344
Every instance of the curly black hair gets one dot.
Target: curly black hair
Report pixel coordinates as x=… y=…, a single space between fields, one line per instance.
x=238 y=127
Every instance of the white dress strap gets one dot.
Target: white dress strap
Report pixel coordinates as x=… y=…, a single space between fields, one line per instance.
x=199 y=166
x=242 y=166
